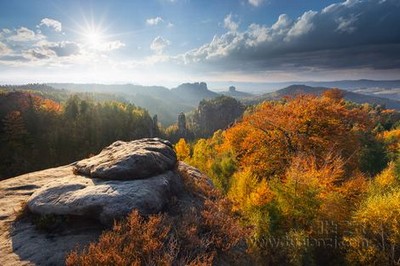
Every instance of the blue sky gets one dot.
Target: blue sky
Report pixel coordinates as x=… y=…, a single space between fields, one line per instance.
x=167 y=42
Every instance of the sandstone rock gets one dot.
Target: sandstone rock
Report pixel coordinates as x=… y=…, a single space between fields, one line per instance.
x=62 y=191
x=130 y=160
x=119 y=182
x=105 y=200
x=20 y=242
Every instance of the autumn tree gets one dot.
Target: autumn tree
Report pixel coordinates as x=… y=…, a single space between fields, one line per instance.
x=297 y=164
x=391 y=139
x=217 y=162
x=375 y=225
x=38 y=133
x=269 y=137
x=182 y=150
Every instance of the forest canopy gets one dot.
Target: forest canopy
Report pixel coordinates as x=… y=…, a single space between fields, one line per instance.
x=38 y=133
x=307 y=173
x=310 y=179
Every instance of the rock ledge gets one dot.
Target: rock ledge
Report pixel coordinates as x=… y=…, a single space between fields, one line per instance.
x=122 y=177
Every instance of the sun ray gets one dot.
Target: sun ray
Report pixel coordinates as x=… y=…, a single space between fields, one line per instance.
x=91 y=32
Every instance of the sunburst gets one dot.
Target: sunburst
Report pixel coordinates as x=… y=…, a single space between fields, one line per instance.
x=93 y=37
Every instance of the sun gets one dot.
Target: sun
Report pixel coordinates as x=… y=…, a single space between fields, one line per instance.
x=93 y=37
x=93 y=34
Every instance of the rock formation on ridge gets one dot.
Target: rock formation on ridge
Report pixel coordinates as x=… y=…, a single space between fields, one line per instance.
x=142 y=175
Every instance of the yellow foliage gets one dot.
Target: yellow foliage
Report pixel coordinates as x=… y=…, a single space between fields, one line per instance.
x=243 y=184
x=376 y=227
x=392 y=140
x=182 y=150
x=376 y=223
x=385 y=181
x=217 y=162
x=261 y=194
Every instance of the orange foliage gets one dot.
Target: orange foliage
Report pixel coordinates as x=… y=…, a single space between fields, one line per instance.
x=126 y=246
x=267 y=139
x=24 y=101
x=334 y=94
x=50 y=105
x=198 y=234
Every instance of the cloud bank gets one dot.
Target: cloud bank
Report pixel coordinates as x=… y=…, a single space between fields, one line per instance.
x=351 y=34
x=349 y=38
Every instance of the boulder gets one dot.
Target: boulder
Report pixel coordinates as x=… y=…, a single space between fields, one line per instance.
x=130 y=160
x=70 y=190
x=123 y=177
x=105 y=200
x=20 y=242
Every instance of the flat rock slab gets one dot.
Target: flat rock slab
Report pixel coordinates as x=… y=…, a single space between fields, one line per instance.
x=105 y=200
x=142 y=175
x=20 y=242
x=130 y=160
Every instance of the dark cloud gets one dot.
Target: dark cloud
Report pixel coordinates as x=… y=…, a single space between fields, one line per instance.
x=350 y=34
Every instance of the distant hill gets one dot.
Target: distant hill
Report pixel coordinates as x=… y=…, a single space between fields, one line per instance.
x=390 y=93
x=363 y=85
x=232 y=92
x=166 y=103
x=356 y=84
x=193 y=93
x=303 y=89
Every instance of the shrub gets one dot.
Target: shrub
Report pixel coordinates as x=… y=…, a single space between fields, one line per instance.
x=200 y=233
x=375 y=224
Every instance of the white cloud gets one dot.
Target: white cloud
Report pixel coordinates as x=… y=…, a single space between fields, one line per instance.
x=111 y=45
x=39 y=53
x=63 y=49
x=258 y=34
x=154 y=21
x=23 y=34
x=229 y=24
x=4 y=50
x=282 y=23
x=46 y=50
x=346 y=24
x=159 y=44
x=51 y=23
x=303 y=25
x=158 y=21
x=256 y=3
